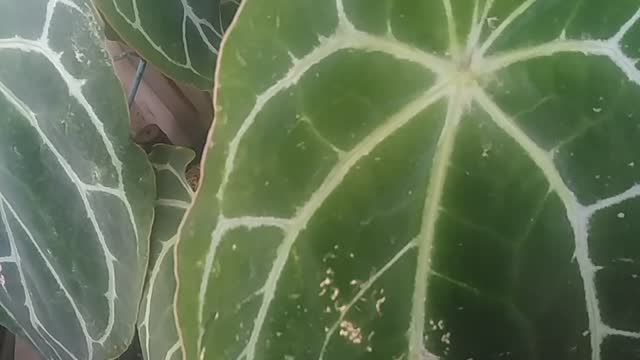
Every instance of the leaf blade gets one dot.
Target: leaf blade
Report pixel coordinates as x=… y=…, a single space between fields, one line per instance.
x=506 y=161
x=187 y=57
x=101 y=174
x=156 y=323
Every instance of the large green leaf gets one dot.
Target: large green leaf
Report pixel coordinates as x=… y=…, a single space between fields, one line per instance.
x=181 y=37
x=156 y=322
x=410 y=179
x=76 y=195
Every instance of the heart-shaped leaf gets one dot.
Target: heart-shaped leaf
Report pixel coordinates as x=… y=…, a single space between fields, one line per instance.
x=181 y=37
x=76 y=195
x=404 y=179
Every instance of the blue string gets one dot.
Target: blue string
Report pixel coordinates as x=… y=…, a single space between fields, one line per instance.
x=142 y=65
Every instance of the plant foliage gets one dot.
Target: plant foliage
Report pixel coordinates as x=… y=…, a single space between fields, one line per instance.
x=418 y=180
x=76 y=195
x=181 y=37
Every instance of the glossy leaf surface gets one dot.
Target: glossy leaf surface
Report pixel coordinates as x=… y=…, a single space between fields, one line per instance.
x=181 y=37
x=418 y=180
x=156 y=323
x=76 y=195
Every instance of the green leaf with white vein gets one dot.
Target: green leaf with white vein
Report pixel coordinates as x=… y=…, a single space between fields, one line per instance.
x=76 y=195
x=156 y=322
x=181 y=37
x=418 y=180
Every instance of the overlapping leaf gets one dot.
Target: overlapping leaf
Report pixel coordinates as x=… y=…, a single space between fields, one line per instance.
x=181 y=37
x=156 y=324
x=418 y=180
x=76 y=196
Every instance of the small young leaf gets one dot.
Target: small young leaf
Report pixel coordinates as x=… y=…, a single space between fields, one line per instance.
x=156 y=322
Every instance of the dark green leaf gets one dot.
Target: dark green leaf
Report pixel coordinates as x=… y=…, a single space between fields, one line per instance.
x=76 y=195
x=407 y=179
x=181 y=37
x=156 y=323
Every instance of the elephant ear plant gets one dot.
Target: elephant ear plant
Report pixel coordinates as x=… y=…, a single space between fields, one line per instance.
x=389 y=179
x=181 y=37
x=419 y=180
x=76 y=196
x=156 y=321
